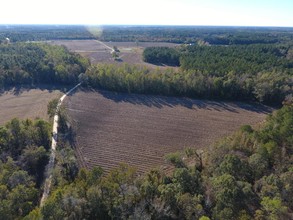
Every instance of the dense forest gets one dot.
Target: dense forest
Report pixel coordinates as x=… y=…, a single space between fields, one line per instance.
x=194 y=34
x=245 y=176
x=36 y=63
x=161 y=56
x=220 y=60
x=24 y=153
x=249 y=59
x=269 y=87
x=262 y=72
x=24 y=33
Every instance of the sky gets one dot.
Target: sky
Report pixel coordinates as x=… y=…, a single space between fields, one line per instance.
x=149 y=12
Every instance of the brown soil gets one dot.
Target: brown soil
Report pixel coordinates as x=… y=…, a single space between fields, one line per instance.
x=130 y=52
x=138 y=129
x=25 y=104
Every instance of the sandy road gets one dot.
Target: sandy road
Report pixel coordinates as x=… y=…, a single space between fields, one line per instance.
x=50 y=165
x=110 y=48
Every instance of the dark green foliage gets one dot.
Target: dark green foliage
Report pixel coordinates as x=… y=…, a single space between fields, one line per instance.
x=279 y=129
x=17 y=135
x=176 y=34
x=246 y=128
x=67 y=162
x=23 y=157
x=18 y=194
x=191 y=83
x=194 y=34
x=257 y=171
x=34 y=160
x=273 y=208
x=231 y=164
x=20 y=140
x=66 y=168
x=35 y=63
x=220 y=60
x=43 y=32
x=227 y=196
x=175 y=159
x=189 y=181
x=52 y=106
x=261 y=162
x=161 y=55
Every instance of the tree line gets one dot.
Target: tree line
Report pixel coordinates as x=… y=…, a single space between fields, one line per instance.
x=24 y=33
x=194 y=34
x=174 y=34
x=269 y=87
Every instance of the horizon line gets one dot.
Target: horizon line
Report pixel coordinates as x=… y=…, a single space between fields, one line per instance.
x=142 y=25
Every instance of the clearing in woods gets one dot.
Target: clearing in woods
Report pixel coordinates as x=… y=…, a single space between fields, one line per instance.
x=97 y=52
x=140 y=129
x=30 y=103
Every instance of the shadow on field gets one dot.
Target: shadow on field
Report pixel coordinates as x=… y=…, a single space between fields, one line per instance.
x=164 y=101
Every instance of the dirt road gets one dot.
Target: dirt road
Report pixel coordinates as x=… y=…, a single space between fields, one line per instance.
x=110 y=48
x=50 y=166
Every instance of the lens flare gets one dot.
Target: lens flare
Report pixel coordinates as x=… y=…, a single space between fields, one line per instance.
x=95 y=30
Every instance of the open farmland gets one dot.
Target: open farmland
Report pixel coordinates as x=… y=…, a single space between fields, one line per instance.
x=97 y=52
x=139 y=129
x=24 y=104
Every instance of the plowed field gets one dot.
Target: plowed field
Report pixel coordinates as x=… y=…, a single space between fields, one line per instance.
x=139 y=129
x=130 y=52
x=31 y=103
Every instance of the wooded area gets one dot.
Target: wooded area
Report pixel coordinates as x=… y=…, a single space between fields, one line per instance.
x=37 y=63
x=132 y=33
x=24 y=147
x=24 y=154
x=239 y=59
x=24 y=33
x=161 y=56
x=194 y=34
x=246 y=176
x=268 y=87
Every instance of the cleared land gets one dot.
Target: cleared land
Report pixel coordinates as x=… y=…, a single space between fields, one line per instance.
x=139 y=130
x=24 y=104
x=130 y=52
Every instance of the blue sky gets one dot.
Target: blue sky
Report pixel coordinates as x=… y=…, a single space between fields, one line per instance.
x=149 y=12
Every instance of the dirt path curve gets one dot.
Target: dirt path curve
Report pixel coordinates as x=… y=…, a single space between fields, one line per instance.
x=50 y=166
